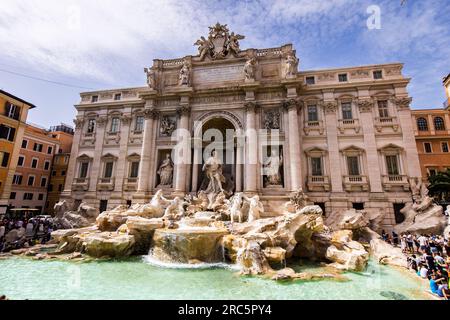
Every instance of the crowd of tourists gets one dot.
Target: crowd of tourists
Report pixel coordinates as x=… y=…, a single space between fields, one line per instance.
x=20 y=233
x=428 y=257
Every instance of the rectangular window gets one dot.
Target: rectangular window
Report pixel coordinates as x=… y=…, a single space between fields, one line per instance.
x=316 y=166
x=63 y=173
x=117 y=96
x=41 y=196
x=347 y=111
x=444 y=147
x=91 y=126
x=54 y=173
x=427 y=147
x=134 y=169
x=310 y=80
x=12 y=111
x=108 y=169
x=27 y=196
x=4 y=159
x=94 y=99
x=17 y=180
x=139 y=124
x=432 y=172
x=49 y=150
x=46 y=165
x=84 y=169
x=34 y=163
x=7 y=133
x=312 y=113
x=383 y=108
x=103 y=205
x=343 y=77
x=21 y=161
x=392 y=165
x=30 y=181
x=12 y=196
x=24 y=144
x=378 y=74
x=60 y=187
x=50 y=187
x=353 y=166
x=38 y=147
x=115 y=125
x=43 y=182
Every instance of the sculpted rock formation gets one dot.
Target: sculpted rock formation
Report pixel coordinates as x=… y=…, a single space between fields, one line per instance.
x=65 y=219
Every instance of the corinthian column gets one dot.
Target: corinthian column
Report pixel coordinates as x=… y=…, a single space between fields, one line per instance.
x=251 y=159
x=294 y=144
x=150 y=114
x=182 y=150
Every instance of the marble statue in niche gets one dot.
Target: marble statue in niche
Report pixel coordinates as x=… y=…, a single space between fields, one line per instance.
x=165 y=171
x=272 y=169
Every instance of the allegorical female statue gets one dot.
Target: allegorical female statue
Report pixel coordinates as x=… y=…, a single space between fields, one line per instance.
x=165 y=171
x=184 y=76
x=213 y=170
x=291 y=66
x=272 y=169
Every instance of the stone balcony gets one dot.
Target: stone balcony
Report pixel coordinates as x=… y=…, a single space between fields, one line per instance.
x=319 y=183
x=395 y=181
x=386 y=122
x=130 y=184
x=349 y=124
x=313 y=126
x=80 y=184
x=105 y=184
x=356 y=183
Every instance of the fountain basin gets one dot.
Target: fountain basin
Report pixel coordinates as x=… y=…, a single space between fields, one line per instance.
x=190 y=245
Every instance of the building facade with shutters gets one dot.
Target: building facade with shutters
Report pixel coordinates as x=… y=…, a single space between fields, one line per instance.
x=13 y=116
x=432 y=130
x=33 y=169
x=344 y=136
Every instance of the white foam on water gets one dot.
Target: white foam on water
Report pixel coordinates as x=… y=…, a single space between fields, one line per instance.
x=150 y=259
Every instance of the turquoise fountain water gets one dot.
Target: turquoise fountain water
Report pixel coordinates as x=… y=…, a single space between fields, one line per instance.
x=140 y=278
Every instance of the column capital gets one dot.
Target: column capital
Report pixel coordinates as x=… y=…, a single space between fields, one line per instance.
x=250 y=106
x=151 y=114
x=292 y=103
x=126 y=119
x=78 y=122
x=330 y=106
x=365 y=105
x=183 y=110
x=101 y=121
x=402 y=103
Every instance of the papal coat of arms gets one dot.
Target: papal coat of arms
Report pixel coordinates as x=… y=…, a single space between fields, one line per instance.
x=220 y=43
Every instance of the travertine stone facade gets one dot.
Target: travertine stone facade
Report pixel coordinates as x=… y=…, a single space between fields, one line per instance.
x=345 y=135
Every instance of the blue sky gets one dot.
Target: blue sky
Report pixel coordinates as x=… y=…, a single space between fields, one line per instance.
x=105 y=44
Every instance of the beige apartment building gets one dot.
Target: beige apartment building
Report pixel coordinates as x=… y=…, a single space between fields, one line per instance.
x=345 y=136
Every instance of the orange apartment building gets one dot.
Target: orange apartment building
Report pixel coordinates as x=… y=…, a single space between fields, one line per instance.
x=13 y=117
x=432 y=131
x=33 y=169
x=64 y=134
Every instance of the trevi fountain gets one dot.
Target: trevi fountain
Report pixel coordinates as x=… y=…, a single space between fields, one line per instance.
x=217 y=245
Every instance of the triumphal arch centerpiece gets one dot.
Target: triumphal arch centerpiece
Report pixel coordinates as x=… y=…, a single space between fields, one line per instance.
x=233 y=120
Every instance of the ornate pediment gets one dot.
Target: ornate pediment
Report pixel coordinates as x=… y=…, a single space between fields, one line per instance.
x=220 y=43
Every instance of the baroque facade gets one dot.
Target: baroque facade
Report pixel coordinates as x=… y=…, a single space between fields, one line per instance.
x=345 y=136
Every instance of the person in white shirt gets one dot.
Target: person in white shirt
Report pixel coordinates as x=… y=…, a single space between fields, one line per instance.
x=423 y=272
x=423 y=241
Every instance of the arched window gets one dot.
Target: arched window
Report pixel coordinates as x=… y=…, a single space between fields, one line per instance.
x=439 y=123
x=422 y=124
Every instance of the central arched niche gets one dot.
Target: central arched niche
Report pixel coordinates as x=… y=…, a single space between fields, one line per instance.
x=218 y=133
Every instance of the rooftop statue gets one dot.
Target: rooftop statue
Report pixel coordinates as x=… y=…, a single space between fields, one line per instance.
x=220 y=43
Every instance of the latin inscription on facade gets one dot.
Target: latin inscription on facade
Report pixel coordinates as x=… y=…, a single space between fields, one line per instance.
x=219 y=74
